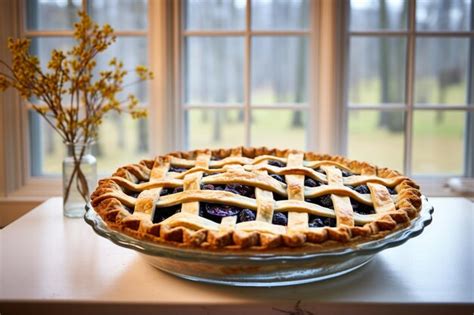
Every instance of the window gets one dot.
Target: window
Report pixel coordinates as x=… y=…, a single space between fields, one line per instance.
x=49 y=25
x=245 y=73
x=409 y=85
x=389 y=81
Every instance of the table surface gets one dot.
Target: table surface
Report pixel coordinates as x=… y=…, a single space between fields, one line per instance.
x=47 y=259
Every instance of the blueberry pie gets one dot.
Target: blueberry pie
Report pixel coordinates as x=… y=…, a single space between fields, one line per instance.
x=256 y=199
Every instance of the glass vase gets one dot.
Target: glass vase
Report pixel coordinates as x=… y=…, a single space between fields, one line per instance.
x=79 y=178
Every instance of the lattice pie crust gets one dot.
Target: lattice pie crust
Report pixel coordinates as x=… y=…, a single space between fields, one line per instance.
x=115 y=202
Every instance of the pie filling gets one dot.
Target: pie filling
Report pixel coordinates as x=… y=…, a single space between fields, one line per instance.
x=215 y=212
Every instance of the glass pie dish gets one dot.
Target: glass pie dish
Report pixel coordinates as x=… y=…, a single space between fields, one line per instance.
x=259 y=269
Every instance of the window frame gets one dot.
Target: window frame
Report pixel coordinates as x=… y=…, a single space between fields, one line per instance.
x=247 y=34
x=16 y=182
x=35 y=166
x=436 y=184
x=326 y=103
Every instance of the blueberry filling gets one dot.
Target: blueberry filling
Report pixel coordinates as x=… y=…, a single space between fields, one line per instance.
x=324 y=201
x=361 y=208
x=278 y=197
x=177 y=169
x=216 y=212
x=177 y=190
x=133 y=194
x=219 y=187
x=276 y=163
x=130 y=210
x=320 y=170
x=318 y=221
x=278 y=178
x=212 y=187
x=309 y=182
x=246 y=215
x=392 y=191
x=243 y=190
x=166 y=191
x=207 y=187
x=346 y=173
x=164 y=213
x=280 y=218
x=362 y=189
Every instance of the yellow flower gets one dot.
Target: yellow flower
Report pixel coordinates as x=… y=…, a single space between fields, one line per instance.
x=75 y=101
x=4 y=84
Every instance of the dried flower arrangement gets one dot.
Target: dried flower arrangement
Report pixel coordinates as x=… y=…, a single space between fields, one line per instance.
x=73 y=101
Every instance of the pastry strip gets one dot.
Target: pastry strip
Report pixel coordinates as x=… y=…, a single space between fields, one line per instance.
x=342 y=205
x=265 y=202
x=383 y=202
x=146 y=200
x=295 y=187
x=192 y=183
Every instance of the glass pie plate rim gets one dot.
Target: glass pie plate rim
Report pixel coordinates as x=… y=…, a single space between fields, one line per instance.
x=169 y=251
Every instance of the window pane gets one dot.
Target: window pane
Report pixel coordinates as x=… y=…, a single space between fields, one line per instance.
x=217 y=128
x=279 y=69
x=46 y=147
x=445 y=15
x=42 y=47
x=378 y=15
x=120 y=14
x=377 y=137
x=214 y=69
x=132 y=51
x=441 y=70
x=214 y=14
x=279 y=128
x=438 y=142
x=278 y=15
x=377 y=70
x=46 y=15
x=121 y=140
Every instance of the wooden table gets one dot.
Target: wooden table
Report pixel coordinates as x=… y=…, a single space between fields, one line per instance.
x=58 y=265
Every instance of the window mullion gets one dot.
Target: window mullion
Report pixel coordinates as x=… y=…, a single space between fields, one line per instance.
x=469 y=134
x=13 y=158
x=244 y=32
x=180 y=125
x=409 y=88
x=311 y=129
x=328 y=118
x=212 y=106
x=247 y=71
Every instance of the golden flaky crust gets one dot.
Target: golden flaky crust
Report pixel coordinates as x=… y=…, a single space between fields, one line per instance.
x=187 y=229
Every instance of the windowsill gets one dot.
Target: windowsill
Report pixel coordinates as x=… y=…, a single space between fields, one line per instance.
x=21 y=201
x=438 y=187
x=39 y=188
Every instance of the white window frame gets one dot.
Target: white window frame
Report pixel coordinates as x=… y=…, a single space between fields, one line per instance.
x=324 y=75
x=247 y=34
x=19 y=191
x=431 y=184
